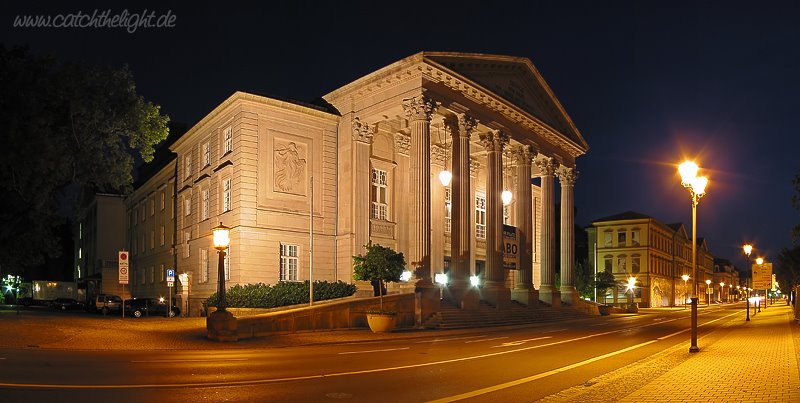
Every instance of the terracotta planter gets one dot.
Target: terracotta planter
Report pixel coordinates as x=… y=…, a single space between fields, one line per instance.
x=380 y=322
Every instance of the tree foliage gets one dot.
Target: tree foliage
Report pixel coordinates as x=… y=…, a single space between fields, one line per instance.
x=787 y=270
x=603 y=281
x=262 y=295
x=68 y=130
x=381 y=264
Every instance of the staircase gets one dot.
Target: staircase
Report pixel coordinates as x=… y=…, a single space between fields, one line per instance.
x=451 y=317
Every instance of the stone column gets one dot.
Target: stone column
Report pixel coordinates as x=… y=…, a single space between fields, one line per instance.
x=437 y=159
x=567 y=177
x=523 y=286
x=362 y=142
x=460 y=290
x=547 y=168
x=402 y=144
x=419 y=110
x=494 y=289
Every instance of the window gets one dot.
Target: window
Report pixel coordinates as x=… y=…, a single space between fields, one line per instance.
x=621 y=260
x=480 y=216
x=448 y=209
x=133 y=246
x=380 y=209
x=142 y=213
x=288 y=262
x=142 y=279
x=608 y=238
x=621 y=237
x=141 y=245
x=163 y=200
x=161 y=274
x=608 y=264
x=187 y=205
x=635 y=262
x=152 y=275
x=152 y=239
x=205 y=204
x=186 y=238
x=227 y=142
x=227 y=263
x=635 y=237
x=152 y=207
x=163 y=235
x=226 y=195
x=206 y=154
x=203 y=265
x=188 y=166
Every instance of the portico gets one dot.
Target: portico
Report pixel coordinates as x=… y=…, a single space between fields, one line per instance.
x=496 y=125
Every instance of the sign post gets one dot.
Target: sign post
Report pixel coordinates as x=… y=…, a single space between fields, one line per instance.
x=170 y=284
x=124 y=265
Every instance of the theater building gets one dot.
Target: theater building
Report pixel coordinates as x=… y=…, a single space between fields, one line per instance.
x=365 y=166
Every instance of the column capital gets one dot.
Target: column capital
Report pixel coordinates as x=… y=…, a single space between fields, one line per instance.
x=362 y=131
x=547 y=165
x=494 y=140
x=524 y=155
x=461 y=124
x=567 y=176
x=402 y=143
x=419 y=107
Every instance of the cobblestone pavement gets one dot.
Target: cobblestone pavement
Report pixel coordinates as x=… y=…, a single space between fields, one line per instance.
x=754 y=361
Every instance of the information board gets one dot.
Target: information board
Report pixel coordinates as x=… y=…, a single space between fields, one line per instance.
x=762 y=276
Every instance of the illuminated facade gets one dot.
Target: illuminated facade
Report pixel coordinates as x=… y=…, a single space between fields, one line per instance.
x=371 y=156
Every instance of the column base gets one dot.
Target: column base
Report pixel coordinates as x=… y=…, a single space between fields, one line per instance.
x=546 y=293
x=497 y=295
x=569 y=295
x=529 y=298
x=426 y=303
x=222 y=326
x=463 y=296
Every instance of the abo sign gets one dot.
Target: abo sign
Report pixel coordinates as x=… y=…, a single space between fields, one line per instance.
x=510 y=248
x=123 y=267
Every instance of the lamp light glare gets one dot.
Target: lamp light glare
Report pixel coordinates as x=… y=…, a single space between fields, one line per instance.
x=475 y=281
x=221 y=237
x=688 y=171
x=506 y=197
x=441 y=278
x=760 y=261
x=405 y=276
x=699 y=185
x=445 y=177
x=685 y=277
x=708 y=282
x=747 y=249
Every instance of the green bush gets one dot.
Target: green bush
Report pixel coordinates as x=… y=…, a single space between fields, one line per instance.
x=282 y=294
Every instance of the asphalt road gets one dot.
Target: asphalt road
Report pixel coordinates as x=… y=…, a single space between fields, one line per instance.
x=521 y=364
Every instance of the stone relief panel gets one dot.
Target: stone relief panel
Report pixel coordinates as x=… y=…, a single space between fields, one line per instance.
x=290 y=167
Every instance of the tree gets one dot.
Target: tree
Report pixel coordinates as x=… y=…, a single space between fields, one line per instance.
x=379 y=264
x=603 y=281
x=787 y=271
x=583 y=277
x=68 y=130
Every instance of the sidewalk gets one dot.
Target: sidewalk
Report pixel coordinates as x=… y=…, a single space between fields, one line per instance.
x=754 y=361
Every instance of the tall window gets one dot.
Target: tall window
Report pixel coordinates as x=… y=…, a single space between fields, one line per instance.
x=152 y=239
x=152 y=207
x=448 y=209
x=480 y=216
x=187 y=204
x=206 y=154
x=227 y=142
x=142 y=279
x=205 y=204
x=288 y=262
x=186 y=238
x=636 y=261
x=608 y=264
x=635 y=237
x=163 y=200
x=187 y=166
x=621 y=237
x=163 y=235
x=621 y=260
x=152 y=275
x=226 y=195
x=161 y=273
x=608 y=238
x=380 y=209
x=204 y=265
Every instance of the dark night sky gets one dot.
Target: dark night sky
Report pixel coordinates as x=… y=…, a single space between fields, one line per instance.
x=647 y=83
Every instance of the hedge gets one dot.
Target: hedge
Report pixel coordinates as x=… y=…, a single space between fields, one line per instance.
x=262 y=295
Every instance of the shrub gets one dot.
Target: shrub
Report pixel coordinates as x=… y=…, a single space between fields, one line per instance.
x=262 y=295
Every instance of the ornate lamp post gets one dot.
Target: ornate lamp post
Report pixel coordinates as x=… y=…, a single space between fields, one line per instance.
x=759 y=262
x=721 y=288
x=696 y=185
x=221 y=325
x=708 y=292
x=221 y=243
x=747 y=248
x=685 y=278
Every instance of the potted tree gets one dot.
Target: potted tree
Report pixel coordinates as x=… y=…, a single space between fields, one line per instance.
x=603 y=281
x=383 y=265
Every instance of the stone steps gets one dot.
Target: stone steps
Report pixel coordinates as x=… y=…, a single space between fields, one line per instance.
x=451 y=317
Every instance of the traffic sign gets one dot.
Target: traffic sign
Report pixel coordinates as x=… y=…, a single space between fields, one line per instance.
x=170 y=275
x=124 y=265
x=170 y=283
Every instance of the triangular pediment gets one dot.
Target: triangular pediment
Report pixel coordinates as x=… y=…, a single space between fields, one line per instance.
x=516 y=80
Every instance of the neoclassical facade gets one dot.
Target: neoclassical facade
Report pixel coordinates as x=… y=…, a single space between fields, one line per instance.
x=370 y=160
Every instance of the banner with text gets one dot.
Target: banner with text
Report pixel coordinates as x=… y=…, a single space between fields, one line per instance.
x=762 y=276
x=510 y=247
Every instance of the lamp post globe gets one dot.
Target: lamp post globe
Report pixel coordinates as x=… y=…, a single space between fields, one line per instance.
x=221 y=242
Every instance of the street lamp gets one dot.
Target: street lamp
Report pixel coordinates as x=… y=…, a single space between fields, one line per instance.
x=721 y=287
x=708 y=292
x=221 y=243
x=759 y=262
x=685 y=278
x=631 y=286
x=696 y=185
x=747 y=248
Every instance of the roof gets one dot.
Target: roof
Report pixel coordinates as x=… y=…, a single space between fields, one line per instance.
x=628 y=215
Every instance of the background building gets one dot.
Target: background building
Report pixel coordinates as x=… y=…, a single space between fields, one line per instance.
x=99 y=236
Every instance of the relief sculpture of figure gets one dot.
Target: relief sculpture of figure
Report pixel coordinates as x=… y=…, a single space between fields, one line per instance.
x=289 y=169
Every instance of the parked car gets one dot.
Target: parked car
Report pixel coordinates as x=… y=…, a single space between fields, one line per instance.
x=64 y=304
x=139 y=307
x=106 y=303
